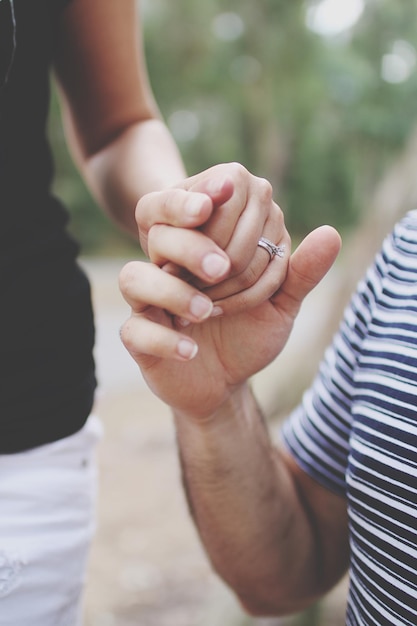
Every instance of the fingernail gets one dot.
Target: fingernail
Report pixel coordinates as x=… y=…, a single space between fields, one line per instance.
x=187 y=349
x=216 y=311
x=215 y=265
x=200 y=307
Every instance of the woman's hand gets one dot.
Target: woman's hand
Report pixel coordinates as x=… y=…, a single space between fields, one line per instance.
x=206 y=231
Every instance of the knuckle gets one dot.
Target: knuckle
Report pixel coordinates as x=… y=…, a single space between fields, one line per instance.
x=237 y=170
x=126 y=335
x=140 y=339
x=127 y=277
x=265 y=190
x=132 y=338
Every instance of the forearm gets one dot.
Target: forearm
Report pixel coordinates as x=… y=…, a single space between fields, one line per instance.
x=247 y=509
x=112 y=123
x=142 y=159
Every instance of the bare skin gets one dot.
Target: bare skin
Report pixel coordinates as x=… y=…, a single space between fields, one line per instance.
x=132 y=165
x=239 y=309
x=277 y=537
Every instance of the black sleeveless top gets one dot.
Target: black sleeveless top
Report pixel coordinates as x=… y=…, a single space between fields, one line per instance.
x=47 y=378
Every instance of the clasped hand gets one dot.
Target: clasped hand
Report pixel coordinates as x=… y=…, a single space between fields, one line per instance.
x=211 y=308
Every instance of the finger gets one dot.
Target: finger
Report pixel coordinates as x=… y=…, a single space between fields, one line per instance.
x=188 y=205
x=263 y=289
x=222 y=223
x=189 y=249
x=260 y=219
x=144 y=284
x=308 y=265
x=250 y=266
x=144 y=337
x=176 y=207
x=259 y=216
x=228 y=185
x=218 y=182
x=256 y=272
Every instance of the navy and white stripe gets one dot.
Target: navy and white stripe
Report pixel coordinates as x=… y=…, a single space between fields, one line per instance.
x=356 y=433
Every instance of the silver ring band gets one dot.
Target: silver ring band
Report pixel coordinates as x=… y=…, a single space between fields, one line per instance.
x=271 y=248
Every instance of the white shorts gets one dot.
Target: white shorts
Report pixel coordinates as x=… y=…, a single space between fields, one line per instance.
x=47 y=520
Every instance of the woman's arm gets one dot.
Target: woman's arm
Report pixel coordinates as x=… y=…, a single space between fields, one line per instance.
x=113 y=125
x=132 y=164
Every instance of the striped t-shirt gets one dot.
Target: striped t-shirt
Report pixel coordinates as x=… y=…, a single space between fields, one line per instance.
x=356 y=433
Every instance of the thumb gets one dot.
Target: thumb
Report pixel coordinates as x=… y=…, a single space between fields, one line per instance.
x=307 y=266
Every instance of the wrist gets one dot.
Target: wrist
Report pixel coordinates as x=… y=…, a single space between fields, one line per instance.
x=239 y=407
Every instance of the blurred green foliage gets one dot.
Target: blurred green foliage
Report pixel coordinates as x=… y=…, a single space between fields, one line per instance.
x=320 y=116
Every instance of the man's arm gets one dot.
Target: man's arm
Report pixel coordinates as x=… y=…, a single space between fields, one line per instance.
x=273 y=534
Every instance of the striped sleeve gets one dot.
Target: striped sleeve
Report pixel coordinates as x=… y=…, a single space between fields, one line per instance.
x=356 y=433
x=318 y=431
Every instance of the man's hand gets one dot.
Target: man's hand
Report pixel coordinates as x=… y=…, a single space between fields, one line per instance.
x=231 y=348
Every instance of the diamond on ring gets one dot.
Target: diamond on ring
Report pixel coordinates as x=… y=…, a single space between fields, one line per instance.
x=271 y=248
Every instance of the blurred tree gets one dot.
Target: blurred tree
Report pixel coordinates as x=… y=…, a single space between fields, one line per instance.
x=321 y=115
x=251 y=82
